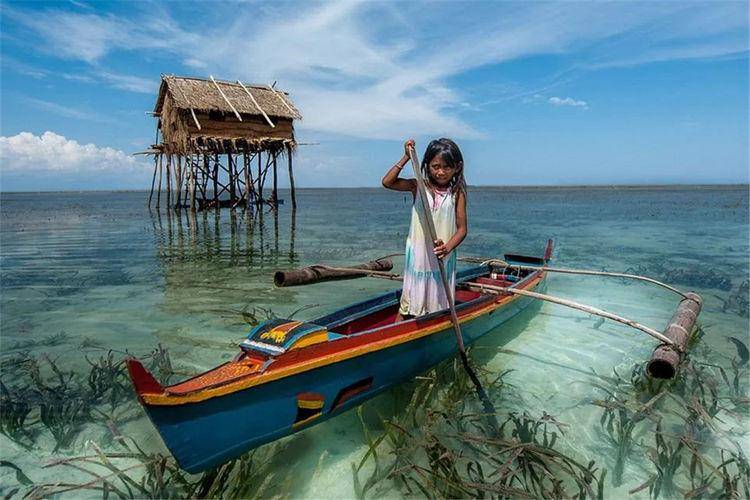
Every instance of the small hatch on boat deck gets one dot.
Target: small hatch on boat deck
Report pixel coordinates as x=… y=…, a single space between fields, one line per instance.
x=276 y=336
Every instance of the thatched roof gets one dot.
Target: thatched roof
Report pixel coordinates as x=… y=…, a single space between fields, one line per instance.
x=202 y=95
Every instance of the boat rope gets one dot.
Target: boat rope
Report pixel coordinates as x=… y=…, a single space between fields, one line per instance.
x=499 y=290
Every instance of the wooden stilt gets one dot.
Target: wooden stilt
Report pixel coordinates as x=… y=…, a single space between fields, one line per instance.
x=186 y=172
x=193 y=167
x=158 y=191
x=232 y=191
x=260 y=182
x=169 y=180
x=206 y=175
x=216 y=181
x=153 y=179
x=178 y=180
x=275 y=193
x=248 y=185
x=291 y=176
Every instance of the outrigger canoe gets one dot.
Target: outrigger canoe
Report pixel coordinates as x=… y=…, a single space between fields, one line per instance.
x=290 y=375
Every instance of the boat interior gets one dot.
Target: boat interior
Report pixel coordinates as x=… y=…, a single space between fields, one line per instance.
x=278 y=336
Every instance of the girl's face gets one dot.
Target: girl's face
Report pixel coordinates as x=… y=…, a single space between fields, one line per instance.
x=440 y=172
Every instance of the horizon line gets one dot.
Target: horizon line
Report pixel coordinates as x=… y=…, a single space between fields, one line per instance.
x=514 y=186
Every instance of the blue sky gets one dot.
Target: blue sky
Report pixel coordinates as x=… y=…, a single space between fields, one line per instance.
x=533 y=92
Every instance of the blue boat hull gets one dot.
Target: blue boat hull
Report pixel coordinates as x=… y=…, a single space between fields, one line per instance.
x=208 y=433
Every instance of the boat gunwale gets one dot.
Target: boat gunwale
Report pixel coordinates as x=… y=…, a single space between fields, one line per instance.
x=228 y=387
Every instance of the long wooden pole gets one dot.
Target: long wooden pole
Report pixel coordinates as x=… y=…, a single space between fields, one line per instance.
x=421 y=189
x=422 y=193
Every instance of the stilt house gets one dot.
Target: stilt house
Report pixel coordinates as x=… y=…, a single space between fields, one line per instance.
x=218 y=140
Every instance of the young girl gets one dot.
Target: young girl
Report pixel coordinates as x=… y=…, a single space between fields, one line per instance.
x=443 y=172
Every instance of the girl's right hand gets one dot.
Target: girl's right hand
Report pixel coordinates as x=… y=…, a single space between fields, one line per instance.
x=409 y=144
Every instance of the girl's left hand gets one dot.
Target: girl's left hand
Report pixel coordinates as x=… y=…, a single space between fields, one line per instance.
x=441 y=249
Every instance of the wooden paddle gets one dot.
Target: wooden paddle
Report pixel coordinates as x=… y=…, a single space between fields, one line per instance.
x=489 y=408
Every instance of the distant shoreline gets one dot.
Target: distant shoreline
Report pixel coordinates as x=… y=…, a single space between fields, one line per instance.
x=560 y=187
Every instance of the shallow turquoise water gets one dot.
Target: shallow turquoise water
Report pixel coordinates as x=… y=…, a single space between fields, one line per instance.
x=100 y=266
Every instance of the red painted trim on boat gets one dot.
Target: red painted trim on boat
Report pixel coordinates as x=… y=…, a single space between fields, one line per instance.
x=143 y=381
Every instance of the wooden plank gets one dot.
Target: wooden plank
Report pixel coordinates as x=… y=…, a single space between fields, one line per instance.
x=256 y=104
x=239 y=117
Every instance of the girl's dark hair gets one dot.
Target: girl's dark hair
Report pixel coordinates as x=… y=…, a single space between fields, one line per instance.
x=451 y=155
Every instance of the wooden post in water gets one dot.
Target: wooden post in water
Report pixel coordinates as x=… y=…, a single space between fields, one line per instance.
x=153 y=179
x=158 y=190
x=193 y=168
x=230 y=169
x=216 y=181
x=291 y=176
x=248 y=186
x=169 y=181
x=260 y=182
x=178 y=180
x=274 y=193
x=206 y=176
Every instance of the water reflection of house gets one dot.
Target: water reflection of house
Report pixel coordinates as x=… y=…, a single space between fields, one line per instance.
x=219 y=142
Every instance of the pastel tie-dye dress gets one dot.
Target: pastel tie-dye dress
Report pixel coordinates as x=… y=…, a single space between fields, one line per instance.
x=423 y=291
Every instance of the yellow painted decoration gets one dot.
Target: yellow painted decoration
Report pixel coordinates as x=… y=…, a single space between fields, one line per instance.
x=311 y=339
x=308 y=419
x=310 y=404
x=279 y=333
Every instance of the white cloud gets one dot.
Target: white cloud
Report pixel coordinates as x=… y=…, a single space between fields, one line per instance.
x=51 y=152
x=366 y=69
x=568 y=101
x=130 y=83
x=67 y=111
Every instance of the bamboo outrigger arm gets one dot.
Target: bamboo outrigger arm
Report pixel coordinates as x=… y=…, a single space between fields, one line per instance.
x=664 y=361
x=588 y=272
x=500 y=290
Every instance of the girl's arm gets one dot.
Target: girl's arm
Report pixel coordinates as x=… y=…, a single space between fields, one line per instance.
x=443 y=249
x=391 y=179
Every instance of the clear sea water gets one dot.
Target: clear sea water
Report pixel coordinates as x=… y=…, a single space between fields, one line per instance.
x=101 y=268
